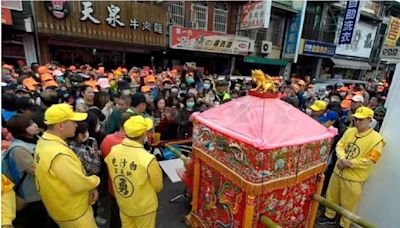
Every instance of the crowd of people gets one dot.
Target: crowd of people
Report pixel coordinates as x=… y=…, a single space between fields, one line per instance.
x=39 y=103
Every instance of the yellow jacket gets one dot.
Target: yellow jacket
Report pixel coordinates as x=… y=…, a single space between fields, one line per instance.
x=61 y=180
x=8 y=201
x=363 y=150
x=136 y=178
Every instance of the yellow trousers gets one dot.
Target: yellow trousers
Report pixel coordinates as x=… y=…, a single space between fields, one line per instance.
x=344 y=193
x=86 y=221
x=145 y=221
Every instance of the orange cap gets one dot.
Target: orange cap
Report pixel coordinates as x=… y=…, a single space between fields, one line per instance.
x=346 y=104
x=343 y=89
x=145 y=89
x=150 y=78
x=43 y=69
x=30 y=83
x=93 y=84
x=46 y=76
x=49 y=83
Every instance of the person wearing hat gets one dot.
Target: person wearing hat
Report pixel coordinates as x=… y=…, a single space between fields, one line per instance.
x=318 y=108
x=358 y=151
x=222 y=95
x=104 y=85
x=136 y=175
x=379 y=115
x=21 y=91
x=66 y=190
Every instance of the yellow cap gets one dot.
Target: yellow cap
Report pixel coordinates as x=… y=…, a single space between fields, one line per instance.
x=318 y=106
x=137 y=126
x=363 y=112
x=59 y=113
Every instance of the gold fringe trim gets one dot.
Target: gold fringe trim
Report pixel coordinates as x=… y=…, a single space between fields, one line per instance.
x=195 y=221
x=256 y=188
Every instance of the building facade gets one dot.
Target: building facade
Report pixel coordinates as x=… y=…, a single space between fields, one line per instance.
x=113 y=33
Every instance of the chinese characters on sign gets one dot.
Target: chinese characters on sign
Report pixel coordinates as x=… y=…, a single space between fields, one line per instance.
x=393 y=32
x=114 y=18
x=196 y=40
x=293 y=34
x=255 y=15
x=351 y=16
x=315 y=48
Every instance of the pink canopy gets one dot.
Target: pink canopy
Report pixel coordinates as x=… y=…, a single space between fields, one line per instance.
x=265 y=123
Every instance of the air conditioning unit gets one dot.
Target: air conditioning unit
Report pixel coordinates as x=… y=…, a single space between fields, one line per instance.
x=266 y=47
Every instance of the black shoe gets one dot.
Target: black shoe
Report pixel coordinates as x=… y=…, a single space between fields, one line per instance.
x=323 y=220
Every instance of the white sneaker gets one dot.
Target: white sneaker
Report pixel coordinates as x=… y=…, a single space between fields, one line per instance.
x=100 y=221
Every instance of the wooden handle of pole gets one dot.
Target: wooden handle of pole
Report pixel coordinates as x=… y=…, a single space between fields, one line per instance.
x=314 y=204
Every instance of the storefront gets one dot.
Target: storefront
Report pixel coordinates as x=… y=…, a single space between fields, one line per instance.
x=17 y=33
x=352 y=60
x=314 y=59
x=108 y=32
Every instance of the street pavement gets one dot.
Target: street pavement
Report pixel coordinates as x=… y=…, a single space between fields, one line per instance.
x=170 y=215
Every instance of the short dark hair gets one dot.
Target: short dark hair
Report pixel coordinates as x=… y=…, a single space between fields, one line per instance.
x=124 y=117
x=137 y=99
x=127 y=99
x=49 y=98
x=18 y=124
x=8 y=101
x=101 y=99
x=81 y=128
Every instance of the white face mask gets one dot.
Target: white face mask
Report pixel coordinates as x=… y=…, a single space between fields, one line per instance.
x=98 y=127
x=308 y=111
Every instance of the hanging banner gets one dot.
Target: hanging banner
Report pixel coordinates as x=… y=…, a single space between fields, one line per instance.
x=255 y=15
x=294 y=29
x=351 y=17
x=198 y=40
x=393 y=32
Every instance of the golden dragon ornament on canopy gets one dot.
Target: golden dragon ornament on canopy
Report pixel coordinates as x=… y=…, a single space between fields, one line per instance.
x=264 y=82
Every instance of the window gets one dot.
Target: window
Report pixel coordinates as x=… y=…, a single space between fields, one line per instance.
x=312 y=21
x=275 y=30
x=221 y=17
x=200 y=13
x=176 y=13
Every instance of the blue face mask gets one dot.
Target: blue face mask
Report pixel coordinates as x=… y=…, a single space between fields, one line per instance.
x=60 y=79
x=206 y=86
x=190 y=104
x=189 y=80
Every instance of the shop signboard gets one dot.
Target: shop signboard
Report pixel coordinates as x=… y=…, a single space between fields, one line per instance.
x=349 y=23
x=119 y=21
x=255 y=15
x=318 y=49
x=393 y=32
x=198 y=40
x=362 y=44
x=294 y=30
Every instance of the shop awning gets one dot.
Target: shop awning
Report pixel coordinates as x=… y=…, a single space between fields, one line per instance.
x=259 y=60
x=351 y=64
x=282 y=6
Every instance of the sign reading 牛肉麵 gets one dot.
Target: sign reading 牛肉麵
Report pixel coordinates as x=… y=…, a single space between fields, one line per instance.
x=119 y=21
